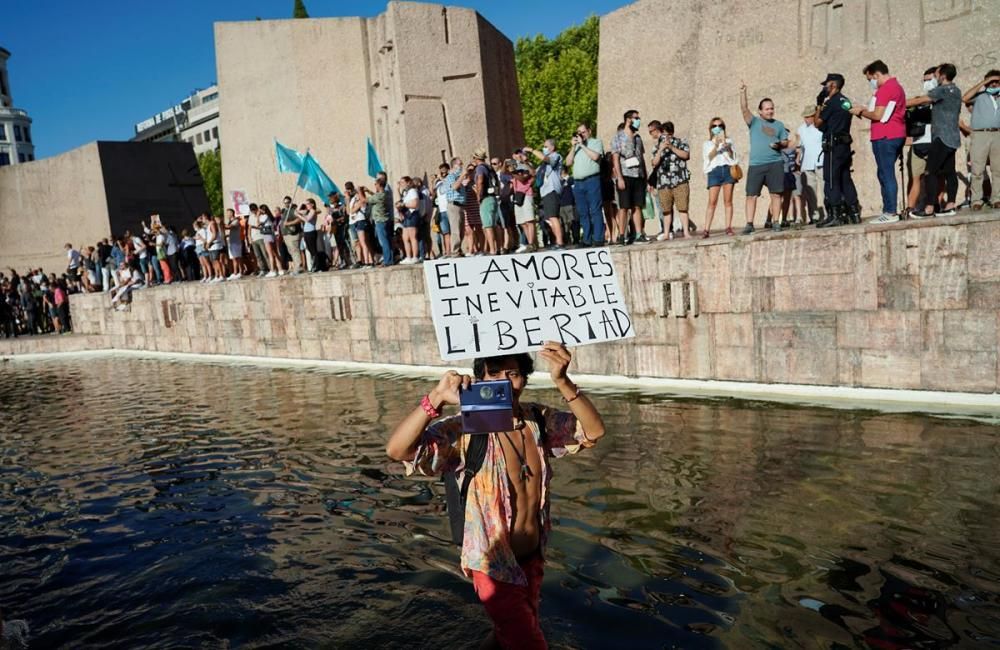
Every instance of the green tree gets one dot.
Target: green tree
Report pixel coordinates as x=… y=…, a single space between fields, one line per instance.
x=557 y=80
x=210 y=164
x=300 y=10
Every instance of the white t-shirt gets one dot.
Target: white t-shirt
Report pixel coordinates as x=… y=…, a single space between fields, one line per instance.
x=811 y=141
x=442 y=196
x=140 y=247
x=171 y=243
x=411 y=199
x=255 y=223
x=722 y=156
x=73 y=256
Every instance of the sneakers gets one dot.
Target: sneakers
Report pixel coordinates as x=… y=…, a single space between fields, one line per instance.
x=642 y=239
x=281 y=272
x=232 y=276
x=747 y=229
x=885 y=217
x=920 y=214
x=521 y=249
x=778 y=226
x=620 y=241
x=977 y=206
x=948 y=212
x=996 y=205
x=408 y=261
x=663 y=236
x=271 y=274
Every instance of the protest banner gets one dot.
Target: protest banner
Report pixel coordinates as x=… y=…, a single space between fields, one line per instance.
x=241 y=205
x=486 y=306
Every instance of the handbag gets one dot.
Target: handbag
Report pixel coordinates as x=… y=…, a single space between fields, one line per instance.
x=519 y=198
x=736 y=171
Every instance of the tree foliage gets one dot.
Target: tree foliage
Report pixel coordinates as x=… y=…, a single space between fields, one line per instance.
x=300 y=10
x=210 y=164
x=557 y=80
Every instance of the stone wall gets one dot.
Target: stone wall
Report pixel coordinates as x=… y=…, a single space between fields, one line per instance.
x=683 y=61
x=909 y=306
x=417 y=79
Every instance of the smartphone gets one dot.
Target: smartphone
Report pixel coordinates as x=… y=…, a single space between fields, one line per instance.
x=487 y=406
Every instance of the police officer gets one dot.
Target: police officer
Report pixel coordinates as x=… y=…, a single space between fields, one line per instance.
x=833 y=118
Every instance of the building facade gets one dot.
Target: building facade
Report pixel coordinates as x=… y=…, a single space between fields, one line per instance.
x=195 y=120
x=425 y=82
x=15 y=126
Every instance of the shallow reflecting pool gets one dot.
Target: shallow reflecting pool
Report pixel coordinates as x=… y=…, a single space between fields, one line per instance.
x=154 y=504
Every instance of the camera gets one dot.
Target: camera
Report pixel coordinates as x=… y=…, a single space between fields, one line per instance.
x=487 y=406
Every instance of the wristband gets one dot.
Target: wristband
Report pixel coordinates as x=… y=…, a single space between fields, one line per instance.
x=576 y=396
x=429 y=409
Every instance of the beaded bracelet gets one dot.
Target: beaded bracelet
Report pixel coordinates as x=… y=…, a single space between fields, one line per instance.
x=429 y=409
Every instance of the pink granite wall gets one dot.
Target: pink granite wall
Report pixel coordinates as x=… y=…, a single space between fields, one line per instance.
x=909 y=305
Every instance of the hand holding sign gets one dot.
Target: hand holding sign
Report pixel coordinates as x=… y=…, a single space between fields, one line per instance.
x=489 y=306
x=558 y=358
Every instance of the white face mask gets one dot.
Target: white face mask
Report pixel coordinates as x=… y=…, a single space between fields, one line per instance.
x=873 y=83
x=930 y=84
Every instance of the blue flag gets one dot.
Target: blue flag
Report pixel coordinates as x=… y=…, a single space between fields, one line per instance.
x=314 y=179
x=289 y=160
x=374 y=164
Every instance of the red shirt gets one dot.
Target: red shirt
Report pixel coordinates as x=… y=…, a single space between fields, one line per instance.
x=895 y=126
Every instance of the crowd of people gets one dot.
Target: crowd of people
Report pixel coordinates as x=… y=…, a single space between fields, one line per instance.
x=592 y=196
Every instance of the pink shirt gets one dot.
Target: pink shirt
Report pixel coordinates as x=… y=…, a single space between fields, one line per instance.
x=895 y=126
x=527 y=187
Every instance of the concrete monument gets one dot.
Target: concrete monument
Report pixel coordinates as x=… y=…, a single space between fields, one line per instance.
x=682 y=61
x=91 y=192
x=425 y=82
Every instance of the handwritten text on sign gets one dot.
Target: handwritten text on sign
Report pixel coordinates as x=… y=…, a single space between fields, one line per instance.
x=485 y=306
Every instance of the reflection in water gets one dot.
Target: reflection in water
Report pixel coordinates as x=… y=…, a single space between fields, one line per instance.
x=155 y=504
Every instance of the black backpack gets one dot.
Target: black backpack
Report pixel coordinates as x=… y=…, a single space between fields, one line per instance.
x=456 y=486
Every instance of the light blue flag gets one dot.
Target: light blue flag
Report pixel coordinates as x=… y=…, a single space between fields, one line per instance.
x=289 y=160
x=374 y=164
x=314 y=179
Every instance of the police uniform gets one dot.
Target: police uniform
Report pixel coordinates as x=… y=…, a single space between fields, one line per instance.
x=841 y=195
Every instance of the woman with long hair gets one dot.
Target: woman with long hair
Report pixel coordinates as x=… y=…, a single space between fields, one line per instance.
x=719 y=157
x=356 y=202
x=270 y=248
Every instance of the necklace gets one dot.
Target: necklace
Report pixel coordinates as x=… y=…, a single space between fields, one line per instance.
x=525 y=470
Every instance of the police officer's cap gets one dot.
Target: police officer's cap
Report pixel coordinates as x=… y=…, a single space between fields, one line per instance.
x=833 y=76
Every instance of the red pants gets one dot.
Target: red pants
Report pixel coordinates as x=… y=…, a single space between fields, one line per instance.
x=167 y=275
x=513 y=608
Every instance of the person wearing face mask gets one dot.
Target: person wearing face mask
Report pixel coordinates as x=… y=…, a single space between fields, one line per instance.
x=984 y=101
x=918 y=128
x=888 y=133
x=945 y=140
x=551 y=187
x=833 y=118
x=628 y=158
x=719 y=158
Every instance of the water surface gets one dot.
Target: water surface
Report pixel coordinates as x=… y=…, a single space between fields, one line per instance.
x=146 y=503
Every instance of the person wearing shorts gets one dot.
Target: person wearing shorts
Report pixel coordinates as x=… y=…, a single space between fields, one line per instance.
x=473 y=220
x=768 y=137
x=630 y=170
x=551 y=188
x=524 y=213
x=672 y=176
x=485 y=192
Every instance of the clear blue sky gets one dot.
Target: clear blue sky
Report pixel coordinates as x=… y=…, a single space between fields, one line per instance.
x=90 y=70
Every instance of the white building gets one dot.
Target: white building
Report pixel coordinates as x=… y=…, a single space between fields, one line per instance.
x=194 y=120
x=15 y=125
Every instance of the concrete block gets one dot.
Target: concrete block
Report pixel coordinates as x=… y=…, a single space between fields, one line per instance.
x=890 y=368
x=970 y=330
x=899 y=292
x=984 y=251
x=959 y=371
x=849 y=367
x=984 y=295
x=798 y=256
x=657 y=361
x=734 y=330
x=943 y=270
x=865 y=269
x=882 y=330
x=655 y=330
x=800 y=365
x=735 y=363
x=713 y=274
x=898 y=252
x=816 y=293
x=694 y=337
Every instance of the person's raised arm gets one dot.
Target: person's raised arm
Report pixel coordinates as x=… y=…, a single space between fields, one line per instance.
x=405 y=437
x=558 y=358
x=919 y=100
x=744 y=105
x=574 y=144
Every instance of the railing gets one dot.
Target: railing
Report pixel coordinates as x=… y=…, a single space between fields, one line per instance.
x=13 y=112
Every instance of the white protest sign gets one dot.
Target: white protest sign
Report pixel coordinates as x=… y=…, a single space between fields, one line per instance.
x=241 y=205
x=487 y=306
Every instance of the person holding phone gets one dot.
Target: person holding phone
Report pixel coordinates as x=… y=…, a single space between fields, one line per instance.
x=507 y=520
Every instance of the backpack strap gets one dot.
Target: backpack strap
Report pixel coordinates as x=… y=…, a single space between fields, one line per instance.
x=536 y=411
x=475 y=455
